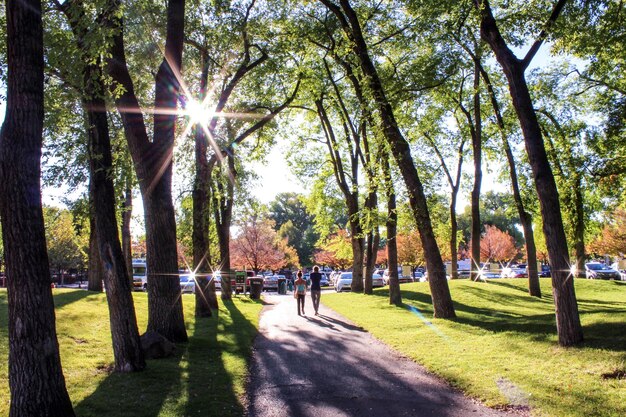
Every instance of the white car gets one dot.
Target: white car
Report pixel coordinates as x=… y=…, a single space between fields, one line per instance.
x=343 y=282
x=377 y=281
x=187 y=284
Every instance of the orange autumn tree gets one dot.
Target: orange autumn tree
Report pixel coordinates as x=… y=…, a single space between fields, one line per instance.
x=258 y=247
x=410 y=250
x=496 y=245
x=612 y=239
x=336 y=251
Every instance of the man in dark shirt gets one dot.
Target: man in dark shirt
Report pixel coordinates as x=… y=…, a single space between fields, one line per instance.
x=316 y=290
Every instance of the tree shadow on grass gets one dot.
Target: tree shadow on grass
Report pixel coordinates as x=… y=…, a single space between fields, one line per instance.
x=219 y=346
x=510 y=314
x=140 y=394
x=65 y=297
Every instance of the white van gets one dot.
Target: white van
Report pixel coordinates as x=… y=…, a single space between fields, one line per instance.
x=140 y=275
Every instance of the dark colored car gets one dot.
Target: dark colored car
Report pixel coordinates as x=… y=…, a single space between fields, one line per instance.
x=596 y=270
x=545 y=271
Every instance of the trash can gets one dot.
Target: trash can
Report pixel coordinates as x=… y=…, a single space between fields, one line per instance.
x=282 y=286
x=256 y=288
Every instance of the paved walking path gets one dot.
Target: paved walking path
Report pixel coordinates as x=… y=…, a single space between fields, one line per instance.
x=323 y=366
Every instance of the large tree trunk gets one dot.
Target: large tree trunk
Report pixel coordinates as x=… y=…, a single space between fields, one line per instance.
x=223 y=210
x=125 y=336
x=440 y=292
x=567 y=318
x=200 y=234
x=36 y=379
x=95 y=272
x=395 y=296
x=153 y=165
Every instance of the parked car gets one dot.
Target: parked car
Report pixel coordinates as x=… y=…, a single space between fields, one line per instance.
x=324 y=281
x=377 y=281
x=271 y=283
x=217 y=278
x=343 y=282
x=418 y=276
x=401 y=278
x=514 y=272
x=545 y=271
x=622 y=272
x=596 y=270
x=140 y=275
x=187 y=284
x=489 y=275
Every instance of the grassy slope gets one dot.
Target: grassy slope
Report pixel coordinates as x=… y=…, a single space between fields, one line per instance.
x=206 y=376
x=503 y=348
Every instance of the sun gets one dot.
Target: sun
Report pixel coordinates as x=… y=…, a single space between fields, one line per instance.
x=198 y=112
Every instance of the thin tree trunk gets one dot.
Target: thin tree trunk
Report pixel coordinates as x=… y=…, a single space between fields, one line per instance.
x=36 y=378
x=440 y=292
x=567 y=318
x=454 y=227
x=373 y=242
x=579 y=228
x=127 y=215
x=478 y=177
x=534 y=288
x=395 y=296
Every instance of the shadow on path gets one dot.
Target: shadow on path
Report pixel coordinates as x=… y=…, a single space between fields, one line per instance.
x=325 y=366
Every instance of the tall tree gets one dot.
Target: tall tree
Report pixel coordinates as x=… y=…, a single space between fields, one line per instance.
x=351 y=26
x=568 y=321
x=35 y=375
x=153 y=163
x=125 y=335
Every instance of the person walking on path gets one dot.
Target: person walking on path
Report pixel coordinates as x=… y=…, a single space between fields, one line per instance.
x=316 y=289
x=300 y=292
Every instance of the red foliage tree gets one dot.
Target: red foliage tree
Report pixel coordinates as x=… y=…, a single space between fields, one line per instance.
x=496 y=245
x=258 y=247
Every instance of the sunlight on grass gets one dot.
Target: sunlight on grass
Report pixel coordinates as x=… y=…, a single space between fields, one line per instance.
x=502 y=348
x=205 y=377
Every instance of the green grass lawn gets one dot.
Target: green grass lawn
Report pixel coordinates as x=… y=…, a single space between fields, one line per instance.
x=206 y=376
x=502 y=348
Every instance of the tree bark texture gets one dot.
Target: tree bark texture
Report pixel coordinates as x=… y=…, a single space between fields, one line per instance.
x=395 y=296
x=125 y=336
x=127 y=242
x=567 y=318
x=35 y=376
x=223 y=195
x=454 y=227
x=440 y=292
x=201 y=205
x=95 y=273
x=477 y=148
x=153 y=165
